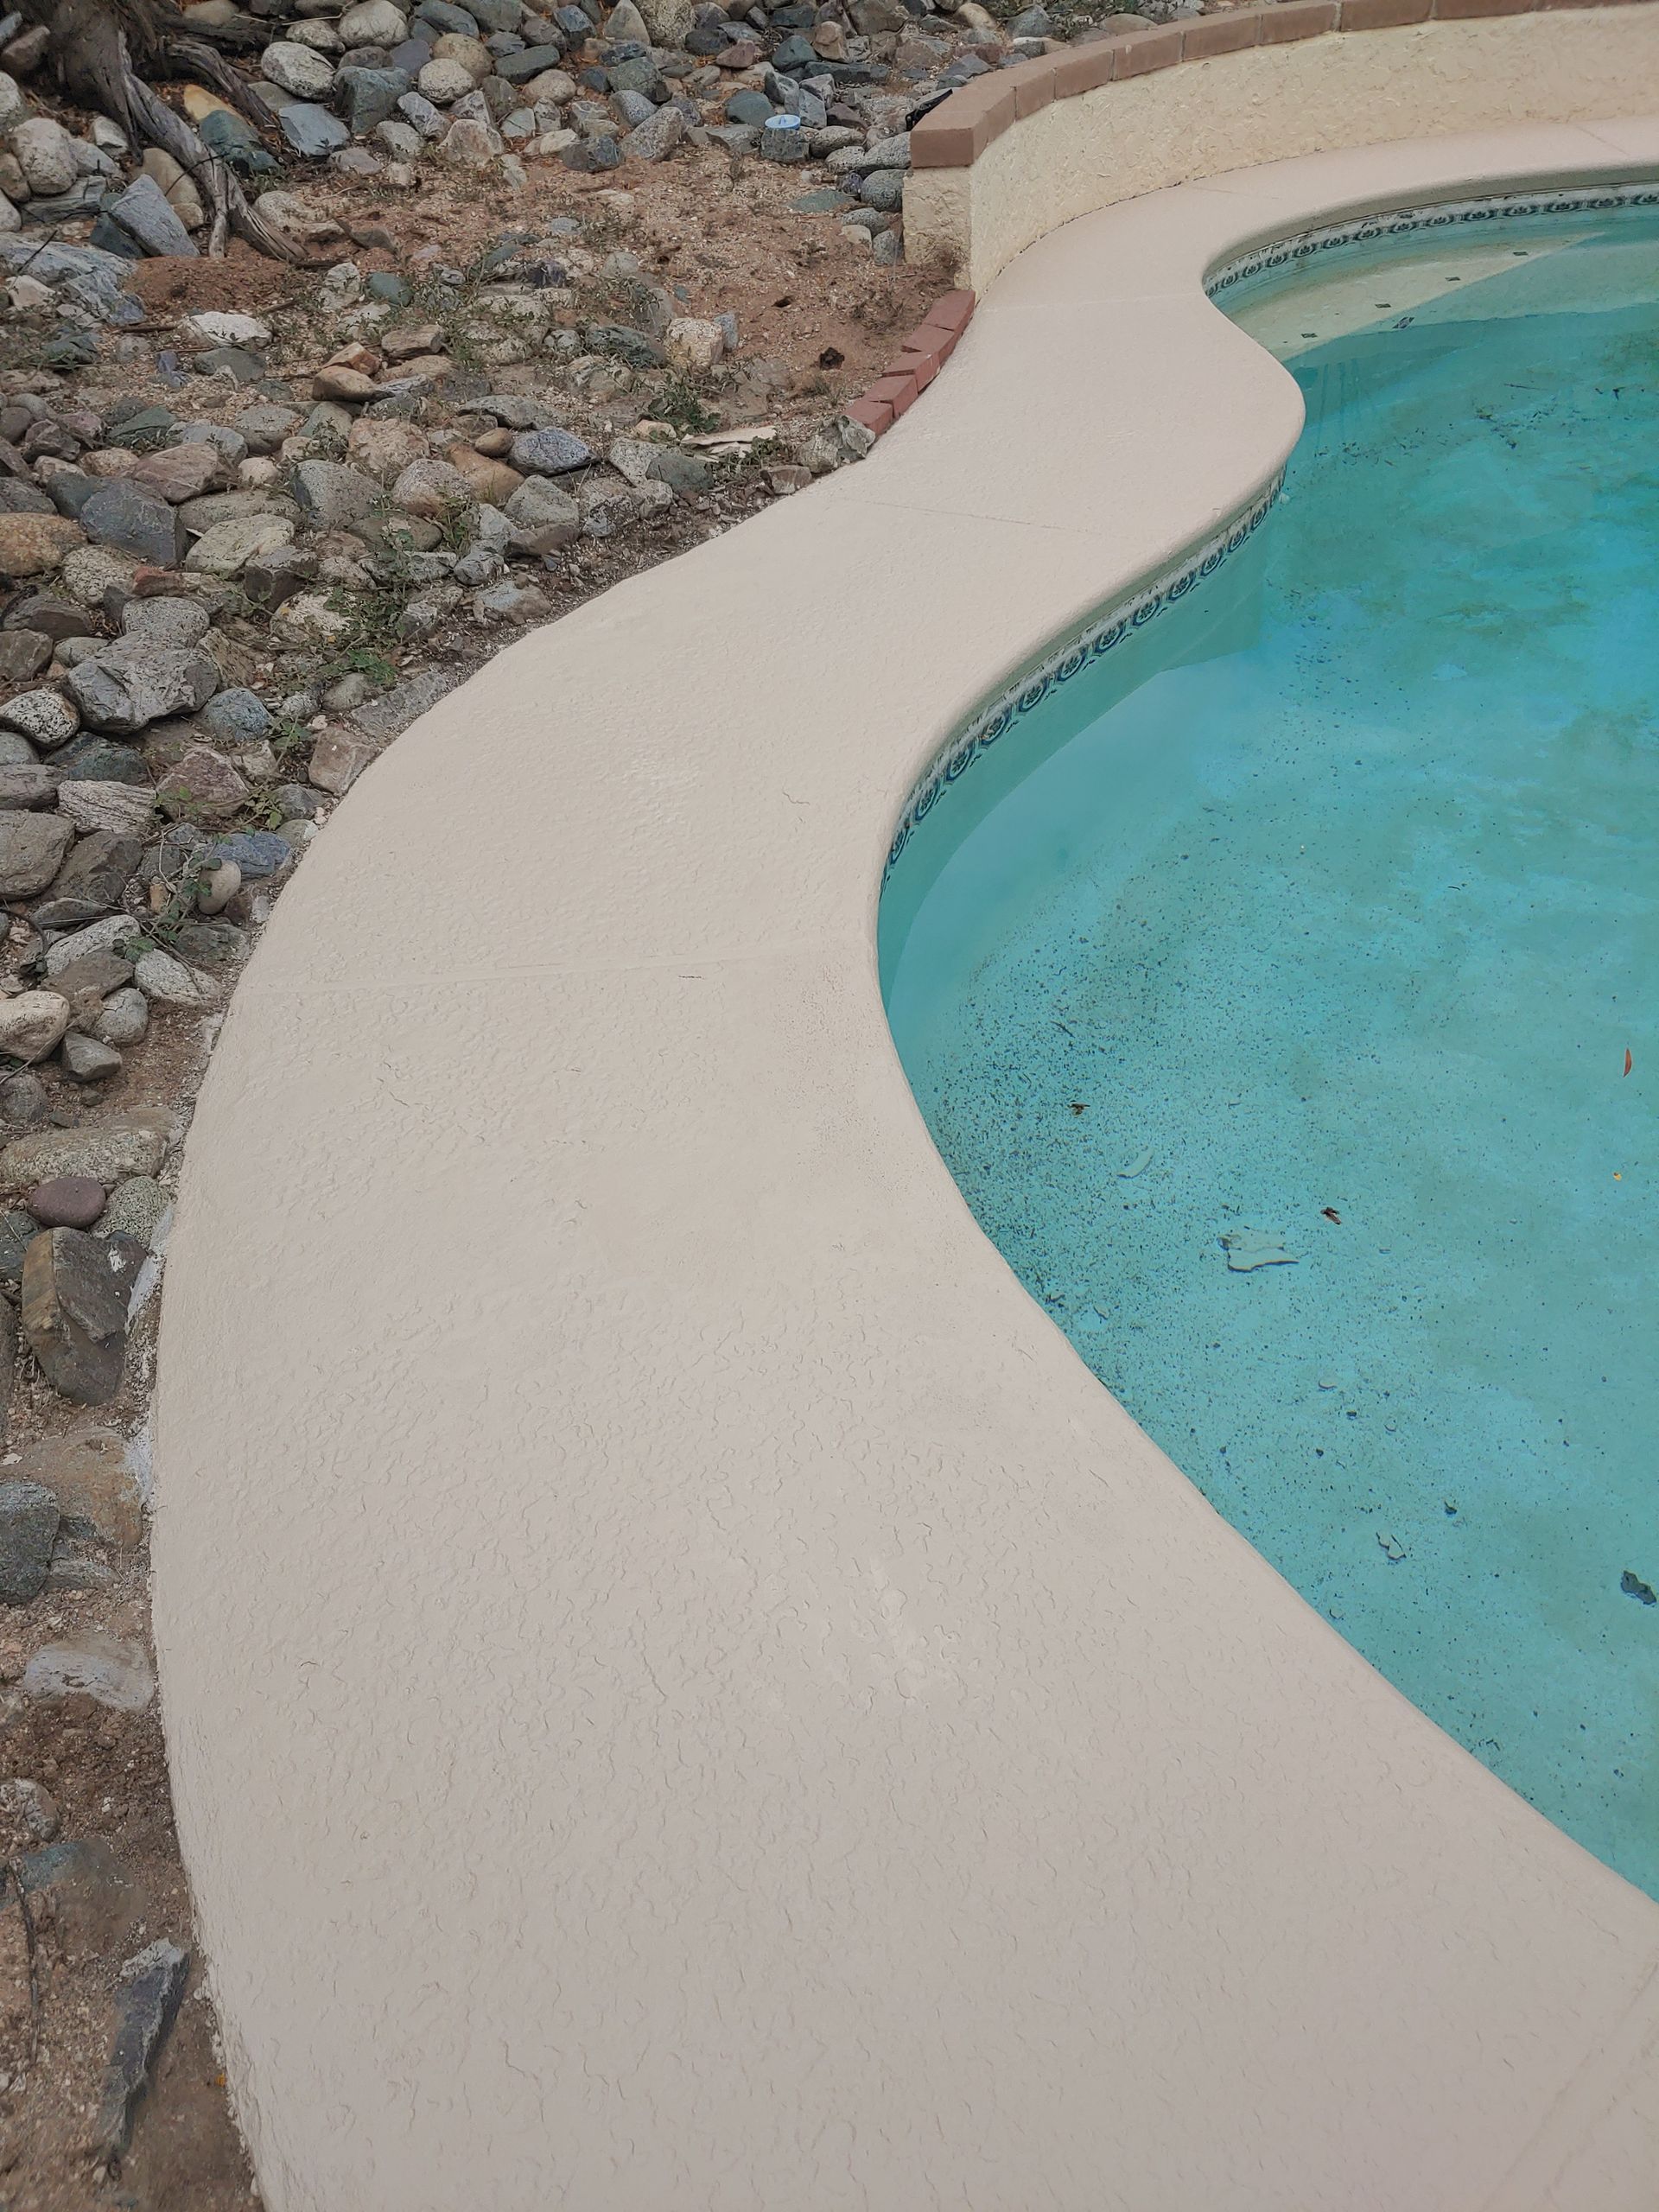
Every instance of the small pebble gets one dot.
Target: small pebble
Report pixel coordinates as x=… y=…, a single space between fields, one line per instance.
x=219 y=888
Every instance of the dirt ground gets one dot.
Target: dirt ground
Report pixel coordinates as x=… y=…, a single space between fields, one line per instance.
x=724 y=235
x=108 y=1773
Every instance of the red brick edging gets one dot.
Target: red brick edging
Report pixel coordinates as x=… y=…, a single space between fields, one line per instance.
x=921 y=356
x=959 y=131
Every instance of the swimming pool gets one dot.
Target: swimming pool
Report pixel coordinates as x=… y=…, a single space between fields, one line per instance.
x=1275 y=969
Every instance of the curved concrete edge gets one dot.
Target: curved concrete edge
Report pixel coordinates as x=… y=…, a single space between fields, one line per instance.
x=682 y=1690
x=1014 y=154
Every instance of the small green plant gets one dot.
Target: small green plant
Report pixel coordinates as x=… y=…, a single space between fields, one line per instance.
x=679 y=403
x=376 y=616
x=380 y=671
x=183 y=805
x=624 y=299
x=21 y=348
x=288 y=738
x=159 y=930
x=455 y=526
x=351 y=660
x=454 y=309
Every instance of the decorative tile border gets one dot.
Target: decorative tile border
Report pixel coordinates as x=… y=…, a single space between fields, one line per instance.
x=1401 y=222
x=993 y=721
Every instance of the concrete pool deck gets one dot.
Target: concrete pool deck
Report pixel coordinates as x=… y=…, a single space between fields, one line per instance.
x=683 y=1692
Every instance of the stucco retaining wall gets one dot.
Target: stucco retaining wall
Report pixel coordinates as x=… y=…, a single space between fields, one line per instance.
x=1196 y=119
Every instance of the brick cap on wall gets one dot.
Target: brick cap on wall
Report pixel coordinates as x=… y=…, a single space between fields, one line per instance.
x=959 y=129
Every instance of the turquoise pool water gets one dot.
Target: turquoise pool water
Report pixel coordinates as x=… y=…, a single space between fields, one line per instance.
x=1321 y=915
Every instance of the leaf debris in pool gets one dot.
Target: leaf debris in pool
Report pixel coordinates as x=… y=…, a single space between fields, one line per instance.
x=1247 y=1248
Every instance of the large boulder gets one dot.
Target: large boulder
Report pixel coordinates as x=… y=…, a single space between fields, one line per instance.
x=303 y=226
x=134 y=683
x=433 y=489
x=159 y=976
x=295 y=68
x=444 y=82
x=668 y=21
x=641 y=460
x=179 y=472
x=32 y=846
x=368 y=97
x=227 y=548
x=135 y=520
x=108 y=1154
x=311 y=131
x=373 y=22
x=384 y=447
x=471 y=144
x=147 y=2000
x=102 y=760
x=86 y=1470
x=33 y=544
x=472 y=54
x=90 y=572
x=332 y=494
x=29 y=1529
x=179 y=187
x=655 y=139
x=543 y=518
x=492 y=481
x=236 y=719
x=308 y=621
x=84 y=276
x=529 y=68
x=46 y=154
x=74 y=1315
x=147 y=215
x=124 y=808
x=693 y=345
x=42 y=717
x=203 y=787
x=109 y=1670
x=550 y=452
x=32 y=1024
x=91 y=881
x=25 y=784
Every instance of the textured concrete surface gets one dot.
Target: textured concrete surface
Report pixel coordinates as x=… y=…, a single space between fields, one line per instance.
x=1210 y=118
x=683 y=1692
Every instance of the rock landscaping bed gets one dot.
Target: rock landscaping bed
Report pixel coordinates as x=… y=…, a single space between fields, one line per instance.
x=572 y=293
